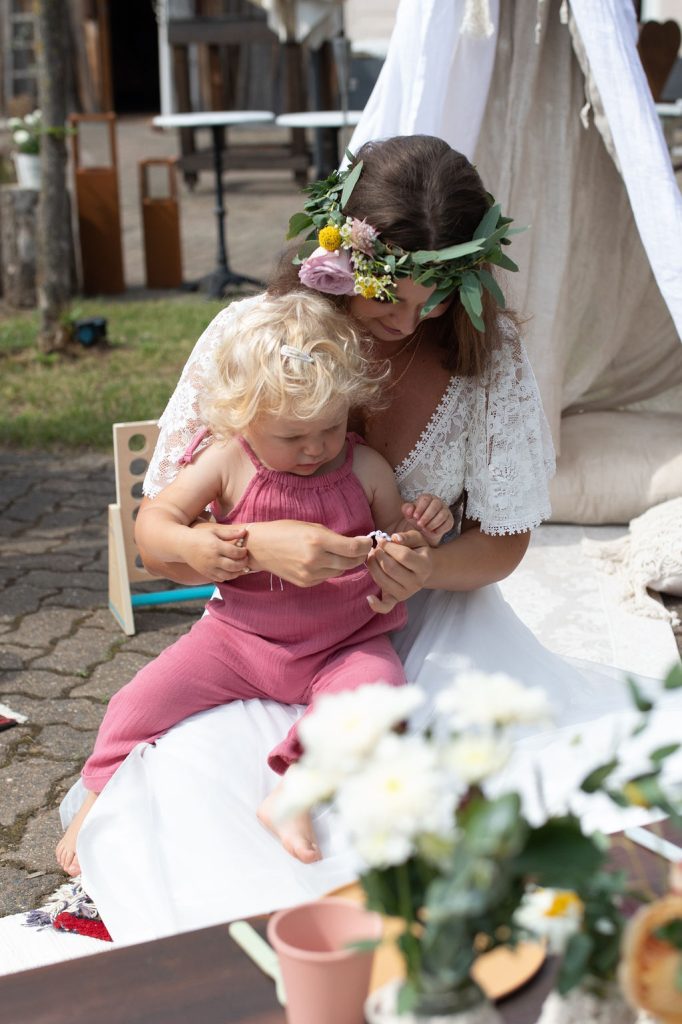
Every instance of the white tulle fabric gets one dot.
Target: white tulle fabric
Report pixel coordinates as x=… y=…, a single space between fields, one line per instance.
x=486 y=437
x=173 y=842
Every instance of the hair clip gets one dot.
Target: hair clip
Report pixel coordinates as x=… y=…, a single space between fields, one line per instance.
x=296 y=353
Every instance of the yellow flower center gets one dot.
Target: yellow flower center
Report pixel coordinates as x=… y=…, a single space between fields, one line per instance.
x=330 y=238
x=635 y=795
x=369 y=290
x=563 y=903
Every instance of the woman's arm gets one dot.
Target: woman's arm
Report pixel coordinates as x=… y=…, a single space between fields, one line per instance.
x=475 y=559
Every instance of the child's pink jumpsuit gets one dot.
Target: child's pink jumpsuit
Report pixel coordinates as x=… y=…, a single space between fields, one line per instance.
x=264 y=637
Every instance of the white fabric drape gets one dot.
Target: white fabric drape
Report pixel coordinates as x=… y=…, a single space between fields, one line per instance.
x=434 y=80
x=608 y=31
x=599 y=333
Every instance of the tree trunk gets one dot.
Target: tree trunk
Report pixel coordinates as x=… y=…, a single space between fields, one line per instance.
x=54 y=236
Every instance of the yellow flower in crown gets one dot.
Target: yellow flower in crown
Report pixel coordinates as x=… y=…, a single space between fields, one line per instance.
x=368 y=289
x=330 y=238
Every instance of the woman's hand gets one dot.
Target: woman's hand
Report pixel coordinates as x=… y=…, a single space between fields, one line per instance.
x=303 y=553
x=216 y=551
x=401 y=567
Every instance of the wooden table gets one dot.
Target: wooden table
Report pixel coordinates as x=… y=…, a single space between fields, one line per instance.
x=223 y=276
x=331 y=121
x=202 y=977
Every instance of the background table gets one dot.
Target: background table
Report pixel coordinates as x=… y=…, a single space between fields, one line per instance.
x=327 y=124
x=217 y=120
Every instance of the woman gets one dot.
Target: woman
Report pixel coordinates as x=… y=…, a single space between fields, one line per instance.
x=463 y=420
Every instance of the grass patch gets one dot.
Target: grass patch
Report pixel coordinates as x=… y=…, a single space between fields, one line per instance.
x=51 y=401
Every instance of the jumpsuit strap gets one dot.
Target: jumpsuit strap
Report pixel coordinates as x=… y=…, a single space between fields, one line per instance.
x=189 y=452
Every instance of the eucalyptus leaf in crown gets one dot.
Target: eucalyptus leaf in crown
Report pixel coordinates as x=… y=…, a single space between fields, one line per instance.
x=346 y=256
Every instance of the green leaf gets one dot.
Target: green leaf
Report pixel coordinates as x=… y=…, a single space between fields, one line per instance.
x=673 y=680
x=407 y=997
x=670 y=932
x=489 y=222
x=364 y=945
x=472 y=304
x=639 y=728
x=298 y=223
x=592 y=782
x=491 y=285
x=471 y=286
x=661 y=753
x=440 y=295
x=558 y=854
x=350 y=183
x=575 y=963
x=453 y=252
x=490 y=826
x=306 y=250
x=641 y=702
x=500 y=260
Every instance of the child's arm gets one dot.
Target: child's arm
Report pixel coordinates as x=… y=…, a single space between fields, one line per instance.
x=431 y=517
x=428 y=514
x=162 y=528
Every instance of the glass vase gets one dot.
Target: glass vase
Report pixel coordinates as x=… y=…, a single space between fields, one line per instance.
x=589 y=1003
x=462 y=1007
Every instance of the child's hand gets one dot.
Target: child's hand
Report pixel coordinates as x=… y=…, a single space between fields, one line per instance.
x=386 y=603
x=430 y=515
x=214 y=551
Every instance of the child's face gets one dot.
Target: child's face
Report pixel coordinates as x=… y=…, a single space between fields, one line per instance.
x=290 y=445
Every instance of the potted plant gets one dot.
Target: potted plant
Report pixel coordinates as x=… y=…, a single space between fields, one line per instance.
x=26 y=132
x=444 y=848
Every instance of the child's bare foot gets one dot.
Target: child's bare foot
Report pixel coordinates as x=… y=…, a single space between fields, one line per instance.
x=66 y=847
x=296 y=835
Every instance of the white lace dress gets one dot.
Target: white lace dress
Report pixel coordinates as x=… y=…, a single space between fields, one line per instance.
x=173 y=842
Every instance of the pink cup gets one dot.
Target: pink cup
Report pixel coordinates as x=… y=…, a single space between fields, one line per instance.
x=325 y=982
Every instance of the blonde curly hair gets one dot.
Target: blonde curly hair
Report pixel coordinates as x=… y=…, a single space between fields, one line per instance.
x=251 y=376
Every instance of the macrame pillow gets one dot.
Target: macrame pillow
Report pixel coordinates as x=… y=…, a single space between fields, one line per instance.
x=614 y=465
x=649 y=557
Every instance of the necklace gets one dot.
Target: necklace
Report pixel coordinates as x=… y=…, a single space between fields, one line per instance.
x=409 y=361
x=405 y=347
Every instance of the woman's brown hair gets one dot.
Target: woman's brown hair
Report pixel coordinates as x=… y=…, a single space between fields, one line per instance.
x=419 y=193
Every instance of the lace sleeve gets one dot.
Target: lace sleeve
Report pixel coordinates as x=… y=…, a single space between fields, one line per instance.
x=180 y=420
x=510 y=456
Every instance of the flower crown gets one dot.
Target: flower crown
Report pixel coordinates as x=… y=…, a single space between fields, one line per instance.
x=345 y=256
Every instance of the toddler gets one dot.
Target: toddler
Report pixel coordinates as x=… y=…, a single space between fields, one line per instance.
x=276 y=406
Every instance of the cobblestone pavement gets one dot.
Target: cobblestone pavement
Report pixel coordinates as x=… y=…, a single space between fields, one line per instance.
x=62 y=655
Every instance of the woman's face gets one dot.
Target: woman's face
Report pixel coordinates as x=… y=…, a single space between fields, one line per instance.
x=395 y=321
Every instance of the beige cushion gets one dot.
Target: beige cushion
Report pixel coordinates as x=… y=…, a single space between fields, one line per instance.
x=615 y=465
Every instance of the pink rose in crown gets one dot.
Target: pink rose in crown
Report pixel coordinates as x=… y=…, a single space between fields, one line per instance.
x=329 y=272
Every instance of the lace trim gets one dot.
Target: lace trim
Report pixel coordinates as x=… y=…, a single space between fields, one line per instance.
x=412 y=457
